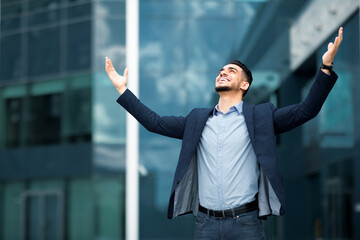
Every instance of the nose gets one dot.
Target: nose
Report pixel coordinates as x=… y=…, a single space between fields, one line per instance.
x=223 y=74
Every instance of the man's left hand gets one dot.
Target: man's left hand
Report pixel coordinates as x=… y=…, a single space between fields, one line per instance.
x=329 y=55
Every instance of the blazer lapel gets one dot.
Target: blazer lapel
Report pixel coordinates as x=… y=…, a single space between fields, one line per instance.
x=201 y=121
x=249 y=120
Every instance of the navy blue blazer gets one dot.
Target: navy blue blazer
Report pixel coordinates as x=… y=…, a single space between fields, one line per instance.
x=263 y=121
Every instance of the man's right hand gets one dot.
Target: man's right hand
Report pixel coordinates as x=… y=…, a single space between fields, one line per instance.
x=118 y=81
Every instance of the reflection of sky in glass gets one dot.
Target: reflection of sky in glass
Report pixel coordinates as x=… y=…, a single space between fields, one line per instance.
x=183 y=45
x=182 y=51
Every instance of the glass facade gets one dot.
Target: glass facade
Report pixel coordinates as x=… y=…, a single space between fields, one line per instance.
x=62 y=135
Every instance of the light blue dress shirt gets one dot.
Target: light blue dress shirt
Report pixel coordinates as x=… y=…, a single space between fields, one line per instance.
x=227 y=165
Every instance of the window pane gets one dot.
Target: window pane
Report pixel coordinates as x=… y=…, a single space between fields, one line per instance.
x=10 y=24
x=162 y=9
x=10 y=9
x=52 y=220
x=43 y=49
x=79 y=115
x=46 y=17
x=13 y=114
x=162 y=44
x=44 y=120
x=79 y=11
x=10 y=63
x=32 y=218
x=43 y=4
x=79 y=46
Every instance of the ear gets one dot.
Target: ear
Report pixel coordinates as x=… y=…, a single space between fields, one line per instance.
x=244 y=85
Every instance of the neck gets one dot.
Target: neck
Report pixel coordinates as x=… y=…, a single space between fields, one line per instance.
x=227 y=100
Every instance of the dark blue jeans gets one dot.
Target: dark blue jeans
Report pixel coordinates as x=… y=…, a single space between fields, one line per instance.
x=246 y=226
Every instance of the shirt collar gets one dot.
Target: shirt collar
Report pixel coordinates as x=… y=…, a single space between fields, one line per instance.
x=238 y=107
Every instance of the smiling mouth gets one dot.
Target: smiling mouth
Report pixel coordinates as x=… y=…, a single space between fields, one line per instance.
x=224 y=80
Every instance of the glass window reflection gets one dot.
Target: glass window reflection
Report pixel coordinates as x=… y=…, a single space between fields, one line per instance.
x=34 y=5
x=78 y=114
x=162 y=44
x=43 y=52
x=10 y=62
x=43 y=18
x=79 y=46
x=10 y=23
x=44 y=119
x=13 y=114
x=78 y=11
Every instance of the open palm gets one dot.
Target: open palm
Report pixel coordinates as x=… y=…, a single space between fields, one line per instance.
x=329 y=55
x=117 y=80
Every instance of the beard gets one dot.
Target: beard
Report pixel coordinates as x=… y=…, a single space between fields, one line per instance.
x=222 y=89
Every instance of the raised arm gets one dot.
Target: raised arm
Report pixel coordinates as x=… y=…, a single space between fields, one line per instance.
x=169 y=126
x=289 y=117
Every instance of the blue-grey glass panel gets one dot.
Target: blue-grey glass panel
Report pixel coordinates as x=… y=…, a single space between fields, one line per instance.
x=79 y=46
x=13 y=119
x=158 y=158
x=13 y=9
x=109 y=158
x=34 y=5
x=247 y=10
x=200 y=88
x=77 y=1
x=58 y=160
x=79 y=11
x=164 y=91
x=10 y=63
x=108 y=119
x=32 y=221
x=206 y=48
x=113 y=32
x=162 y=45
x=163 y=1
x=44 y=17
x=43 y=51
x=8 y=2
x=10 y=24
x=110 y=207
x=166 y=9
x=44 y=119
x=244 y=15
x=51 y=217
x=110 y=9
x=109 y=39
x=212 y=9
x=79 y=113
x=12 y=211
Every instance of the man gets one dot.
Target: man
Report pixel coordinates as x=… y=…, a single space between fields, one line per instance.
x=227 y=174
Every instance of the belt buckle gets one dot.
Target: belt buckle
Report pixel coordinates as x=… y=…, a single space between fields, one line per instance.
x=222 y=214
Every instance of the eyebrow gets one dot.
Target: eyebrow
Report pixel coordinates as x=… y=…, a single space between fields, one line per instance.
x=232 y=68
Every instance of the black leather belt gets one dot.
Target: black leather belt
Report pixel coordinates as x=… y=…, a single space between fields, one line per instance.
x=231 y=212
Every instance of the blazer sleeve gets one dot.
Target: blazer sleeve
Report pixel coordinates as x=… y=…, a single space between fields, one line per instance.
x=289 y=117
x=170 y=126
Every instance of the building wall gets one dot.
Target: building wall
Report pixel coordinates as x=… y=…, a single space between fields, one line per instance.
x=319 y=160
x=62 y=136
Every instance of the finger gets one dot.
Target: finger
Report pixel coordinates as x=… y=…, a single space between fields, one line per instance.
x=339 y=38
x=340 y=34
x=126 y=72
x=330 y=45
x=109 y=66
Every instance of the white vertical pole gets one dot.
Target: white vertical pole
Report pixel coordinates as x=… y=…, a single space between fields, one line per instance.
x=132 y=129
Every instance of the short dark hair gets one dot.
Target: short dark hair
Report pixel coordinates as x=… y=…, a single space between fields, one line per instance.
x=247 y=72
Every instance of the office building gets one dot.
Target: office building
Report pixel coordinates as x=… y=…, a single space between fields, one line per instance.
x=62 y=135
